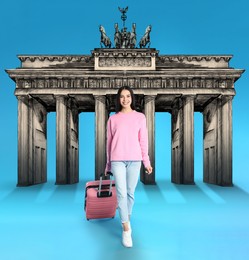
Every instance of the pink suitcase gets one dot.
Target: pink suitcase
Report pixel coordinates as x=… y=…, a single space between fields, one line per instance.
x=100 y=199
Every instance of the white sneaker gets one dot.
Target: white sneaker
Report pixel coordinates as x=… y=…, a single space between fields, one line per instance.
x=126 y=238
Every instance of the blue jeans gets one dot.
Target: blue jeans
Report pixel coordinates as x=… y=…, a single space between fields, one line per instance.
x=126 y=175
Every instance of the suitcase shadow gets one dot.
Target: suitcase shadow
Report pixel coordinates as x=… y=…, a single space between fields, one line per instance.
x=111 y=226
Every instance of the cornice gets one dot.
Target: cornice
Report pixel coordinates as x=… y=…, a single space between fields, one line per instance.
x=190 y=58
x=124 y=59
x=124 y=53
x=85 y=73
x=59 y=58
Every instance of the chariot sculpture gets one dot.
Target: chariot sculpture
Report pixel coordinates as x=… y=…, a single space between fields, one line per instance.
x=123 y=38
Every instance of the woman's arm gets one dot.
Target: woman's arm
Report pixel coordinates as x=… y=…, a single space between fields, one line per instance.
x=108 y=146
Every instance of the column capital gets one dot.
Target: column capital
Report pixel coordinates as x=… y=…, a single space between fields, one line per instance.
x=188 y=97
x=60 y=97
x=24 y=98
x=72 y=101
x=100 y=98
x=225 y=98
x=149 y=98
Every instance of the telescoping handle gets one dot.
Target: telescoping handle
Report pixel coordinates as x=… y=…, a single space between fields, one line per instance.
x=105 y=193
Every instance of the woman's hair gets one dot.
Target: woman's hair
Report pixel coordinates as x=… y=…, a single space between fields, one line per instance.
x=118 y=105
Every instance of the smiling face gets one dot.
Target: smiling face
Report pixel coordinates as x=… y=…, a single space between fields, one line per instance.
x=125 y=99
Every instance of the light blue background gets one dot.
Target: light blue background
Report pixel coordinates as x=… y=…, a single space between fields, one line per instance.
x=71 y=27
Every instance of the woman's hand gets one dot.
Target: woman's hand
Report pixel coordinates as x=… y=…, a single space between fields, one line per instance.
x=148 y=169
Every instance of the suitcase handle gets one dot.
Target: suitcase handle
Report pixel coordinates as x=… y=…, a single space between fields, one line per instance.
x=105 y=193
x=108 y=173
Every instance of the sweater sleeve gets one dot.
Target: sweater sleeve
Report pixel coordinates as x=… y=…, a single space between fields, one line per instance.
x=143 y=140
x=108 y=146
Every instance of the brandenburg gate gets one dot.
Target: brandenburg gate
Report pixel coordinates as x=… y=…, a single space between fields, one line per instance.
x=177 y=84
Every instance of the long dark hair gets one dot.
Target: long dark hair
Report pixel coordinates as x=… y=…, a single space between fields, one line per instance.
x=118 y=106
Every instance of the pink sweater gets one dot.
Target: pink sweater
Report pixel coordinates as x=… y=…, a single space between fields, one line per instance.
x=127 y=138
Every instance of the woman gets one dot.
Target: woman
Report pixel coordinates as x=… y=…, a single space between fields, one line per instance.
x=127 y=146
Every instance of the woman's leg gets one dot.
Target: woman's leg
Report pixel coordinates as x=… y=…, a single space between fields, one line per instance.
x=133 y=172
x=119 y=172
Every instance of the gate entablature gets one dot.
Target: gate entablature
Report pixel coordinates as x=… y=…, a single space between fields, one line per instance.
x=140 y=68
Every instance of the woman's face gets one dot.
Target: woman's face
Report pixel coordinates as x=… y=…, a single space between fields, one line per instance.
x=125 y=98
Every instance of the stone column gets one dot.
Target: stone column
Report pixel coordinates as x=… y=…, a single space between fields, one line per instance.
x=73 y=141
x=32 y=142
x=100 y=135
x=24 y=173
x=217 y=117
x=149 y=111
x=188 y=139
x=182 y=163
x=61 y=140
x=67 y=153
x=225 y=152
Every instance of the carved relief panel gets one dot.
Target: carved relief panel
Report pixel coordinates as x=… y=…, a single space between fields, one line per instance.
x=210 y=142
x=39 y=142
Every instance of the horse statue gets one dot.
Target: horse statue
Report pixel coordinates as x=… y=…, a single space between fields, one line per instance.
x=125 y=40
x=104 y=38
x=146 y=38
x=117 y=37
x=133 y=37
